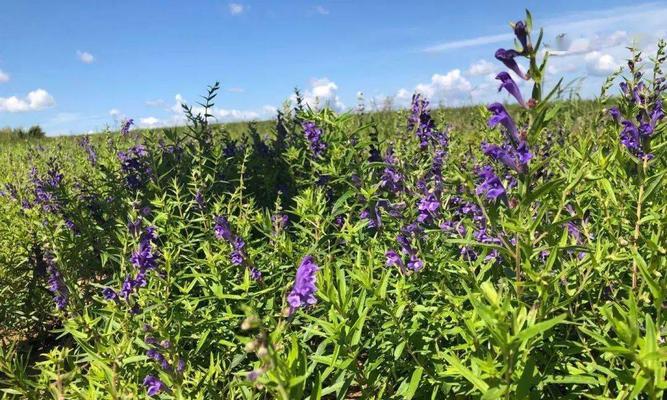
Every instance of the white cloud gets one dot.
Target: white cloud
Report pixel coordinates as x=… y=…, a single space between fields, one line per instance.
x=4 y=77
x=403 y=95
x=322 y=92
x=236 y=8
x=177 y=117
x=481 y=67
x=36 y=100
x=322 y=10
x=600 y=64
x=85 y=57
x=149 y=122
x=451 y=87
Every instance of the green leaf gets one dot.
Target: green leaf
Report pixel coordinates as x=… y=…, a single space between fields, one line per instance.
x=414 y=383
x=538 y=328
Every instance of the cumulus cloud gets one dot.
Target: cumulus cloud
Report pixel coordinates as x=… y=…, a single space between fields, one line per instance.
x=481 y=67
x=322 y=93
x=85 y=57
x=4 y=77
x=176 y=116
x=451 y=87
x=600 y=64
x=236 y=8
x=149 y=122
x=36 y=100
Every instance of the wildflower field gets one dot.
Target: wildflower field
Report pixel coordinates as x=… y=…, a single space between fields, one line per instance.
x=510 y=251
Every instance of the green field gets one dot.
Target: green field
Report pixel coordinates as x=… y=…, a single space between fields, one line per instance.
x=423 y=253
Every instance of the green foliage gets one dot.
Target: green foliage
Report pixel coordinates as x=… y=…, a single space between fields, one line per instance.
x=568 y=300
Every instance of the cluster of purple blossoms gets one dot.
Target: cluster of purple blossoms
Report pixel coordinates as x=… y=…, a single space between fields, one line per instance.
x=55 y=281
x=373 y=215
x=45 y=188
x=406 y=239
x=125 y=127
x=157 y=352
x=303 y=291
x=144 y=259
x=391 y=180
x=514 y=153
x=636 y=137
x=490 y=185
x=462 y=211
x=314 y=137
x=421 y=123
x=514 y=158
x=84 y=142
x=428 y=206
x=238 y=256
x=134 y=164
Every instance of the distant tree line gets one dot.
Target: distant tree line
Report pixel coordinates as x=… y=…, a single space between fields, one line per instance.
x=34 y=132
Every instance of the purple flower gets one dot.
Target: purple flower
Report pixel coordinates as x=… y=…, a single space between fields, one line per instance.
x=422 y=124
x=180 y=366
x=236 y=257
x=630 y=137
x=507 y=58
x=143 y=257
x=134 y=164
x=428 y=205
x=521 y=34
x=314 y=137
x=394 y=260
x=109 y=294
x=657 y=114
x=199 y=199
x=127 y=287
x=491 y=186
x=85 y=143
x=303 y=291
x=255 y=274
x=615 y=114
x=154 y=385
x=507 y=83
x=56 y=283
x=503 y=154
x=415 y=263
x=222 y=229
x=523 y=153
x=500 y=116
x=391 y=180
x=125 y=128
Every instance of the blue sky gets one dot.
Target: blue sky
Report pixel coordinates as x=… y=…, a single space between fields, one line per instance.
x=78 y=66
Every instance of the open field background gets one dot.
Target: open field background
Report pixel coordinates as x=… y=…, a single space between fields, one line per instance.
x=478 y=252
